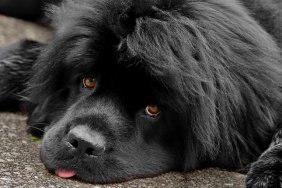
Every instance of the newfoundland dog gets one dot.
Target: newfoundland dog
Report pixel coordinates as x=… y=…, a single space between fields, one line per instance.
x=135 y=88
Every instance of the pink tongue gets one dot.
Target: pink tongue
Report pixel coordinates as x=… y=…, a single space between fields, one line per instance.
x=65 y=173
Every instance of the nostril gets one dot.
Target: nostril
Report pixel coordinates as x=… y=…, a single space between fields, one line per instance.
x=90 y=151
x=73 y=143
x=95 y=151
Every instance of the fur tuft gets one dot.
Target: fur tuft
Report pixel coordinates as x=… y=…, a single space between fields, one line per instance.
x=125 y=15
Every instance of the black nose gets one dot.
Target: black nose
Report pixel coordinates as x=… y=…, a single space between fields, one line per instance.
x=84 y=141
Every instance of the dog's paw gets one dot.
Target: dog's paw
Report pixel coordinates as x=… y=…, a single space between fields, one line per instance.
x=267 y=171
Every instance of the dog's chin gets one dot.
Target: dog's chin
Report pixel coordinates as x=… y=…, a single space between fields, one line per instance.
x=95 y=172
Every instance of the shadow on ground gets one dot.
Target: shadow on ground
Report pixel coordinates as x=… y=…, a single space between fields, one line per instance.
x=20 y=165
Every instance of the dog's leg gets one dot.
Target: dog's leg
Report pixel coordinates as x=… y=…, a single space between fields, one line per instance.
x=16 y=61
x=266 y=172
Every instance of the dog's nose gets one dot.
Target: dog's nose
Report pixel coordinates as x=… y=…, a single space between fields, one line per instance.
x=84 y=141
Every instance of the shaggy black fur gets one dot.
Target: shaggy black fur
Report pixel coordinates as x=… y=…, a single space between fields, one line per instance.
x=213 y=67
x=16 y=62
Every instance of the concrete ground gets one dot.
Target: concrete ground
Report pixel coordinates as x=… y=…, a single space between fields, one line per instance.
x=20 y=165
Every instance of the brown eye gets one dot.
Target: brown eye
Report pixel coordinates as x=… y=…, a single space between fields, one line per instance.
x=89 y=82
x=152 y=110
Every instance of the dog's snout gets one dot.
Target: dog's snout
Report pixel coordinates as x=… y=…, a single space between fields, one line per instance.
x=86 y=142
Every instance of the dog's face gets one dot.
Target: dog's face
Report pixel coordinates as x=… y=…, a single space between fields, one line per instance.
x=110 y=118
x=113 y=128
x=109 y=123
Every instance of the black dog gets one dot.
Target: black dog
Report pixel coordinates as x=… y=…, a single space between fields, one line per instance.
x=134 y=88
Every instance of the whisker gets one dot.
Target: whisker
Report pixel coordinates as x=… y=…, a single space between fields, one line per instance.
x=34 y=127
x=37 y=129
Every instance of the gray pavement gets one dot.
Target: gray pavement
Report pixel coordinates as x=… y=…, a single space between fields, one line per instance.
x=20 y=165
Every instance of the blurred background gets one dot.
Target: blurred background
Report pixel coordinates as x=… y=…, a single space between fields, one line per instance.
x=25 y=9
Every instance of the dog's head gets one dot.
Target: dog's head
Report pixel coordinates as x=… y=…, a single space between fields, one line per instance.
x=135 y=88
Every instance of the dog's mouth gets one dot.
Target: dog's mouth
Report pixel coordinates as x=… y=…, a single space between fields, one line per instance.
x=63 y=173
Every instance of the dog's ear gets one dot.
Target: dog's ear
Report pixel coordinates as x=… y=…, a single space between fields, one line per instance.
x=232 y=86
x=16 y=61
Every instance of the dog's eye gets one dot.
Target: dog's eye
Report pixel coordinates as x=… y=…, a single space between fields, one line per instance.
x=153 y=110
x=89 y=82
